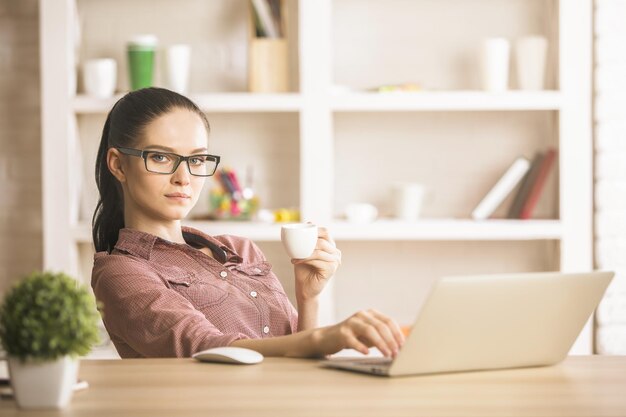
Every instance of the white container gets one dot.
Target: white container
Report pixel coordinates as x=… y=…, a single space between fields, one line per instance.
x=177 y=63
x=530 y=62
x=43 y=384
x=407 y=199
x=494 y=61
x=361 y=213
x=100 y=77
x=299 y=239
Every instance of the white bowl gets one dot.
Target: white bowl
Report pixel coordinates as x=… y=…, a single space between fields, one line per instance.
x=361 y=213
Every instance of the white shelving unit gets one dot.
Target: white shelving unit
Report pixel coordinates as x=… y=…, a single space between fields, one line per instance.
x=324 y=122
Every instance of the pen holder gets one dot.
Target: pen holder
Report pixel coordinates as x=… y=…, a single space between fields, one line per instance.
x=268 y=69
x=225 y=207
x=268 y=47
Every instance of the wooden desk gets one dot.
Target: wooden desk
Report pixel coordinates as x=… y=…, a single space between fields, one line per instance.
x=580 y=386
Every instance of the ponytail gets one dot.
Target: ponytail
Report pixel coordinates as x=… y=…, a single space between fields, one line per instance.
x=124 y=125
x=108 y=218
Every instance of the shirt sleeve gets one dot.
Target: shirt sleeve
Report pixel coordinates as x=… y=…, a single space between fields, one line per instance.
x=151 y=318
x=293 y=318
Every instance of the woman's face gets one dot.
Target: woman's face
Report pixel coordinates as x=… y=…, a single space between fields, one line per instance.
x=164 y=197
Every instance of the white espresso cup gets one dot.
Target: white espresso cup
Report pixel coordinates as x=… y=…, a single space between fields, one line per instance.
x=100 y=77
x=299 y=239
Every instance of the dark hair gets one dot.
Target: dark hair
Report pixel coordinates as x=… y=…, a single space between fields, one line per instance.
x=124 y=126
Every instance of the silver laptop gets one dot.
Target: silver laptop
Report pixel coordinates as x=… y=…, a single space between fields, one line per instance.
x=492 y=321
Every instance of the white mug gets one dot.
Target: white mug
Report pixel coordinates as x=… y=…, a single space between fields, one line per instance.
x=494 y=61
x=100 y=77
x=530 y=62
x=407 y=201
x=299 y=239
x=177 y=62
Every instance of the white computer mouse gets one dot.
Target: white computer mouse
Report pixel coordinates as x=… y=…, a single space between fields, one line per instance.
x=229 y=354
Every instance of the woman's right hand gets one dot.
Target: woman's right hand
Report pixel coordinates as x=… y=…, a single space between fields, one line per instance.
x=360 y=331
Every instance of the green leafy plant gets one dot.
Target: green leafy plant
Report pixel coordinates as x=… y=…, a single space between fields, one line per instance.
x=46 y=316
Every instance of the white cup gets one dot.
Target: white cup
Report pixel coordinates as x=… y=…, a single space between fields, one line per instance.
x=494 y=61
x=299 y=239
x=361 y=213
x=407 y=199
x=177 y=62
x=530 y=62
x=100 y=77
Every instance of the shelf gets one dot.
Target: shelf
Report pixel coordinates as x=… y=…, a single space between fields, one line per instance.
x=385 y=230
x=291 y=102
x=256 y=231
x=446 y=101
x=449 y=229
x=210 y=102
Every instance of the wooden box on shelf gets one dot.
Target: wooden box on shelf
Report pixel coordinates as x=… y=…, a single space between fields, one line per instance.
x=268 y=71
x=268 y=56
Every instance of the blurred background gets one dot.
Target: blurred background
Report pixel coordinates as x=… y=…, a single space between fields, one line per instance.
x=431 y=137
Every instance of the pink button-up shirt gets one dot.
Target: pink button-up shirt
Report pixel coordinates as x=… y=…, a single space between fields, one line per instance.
x=162 y=299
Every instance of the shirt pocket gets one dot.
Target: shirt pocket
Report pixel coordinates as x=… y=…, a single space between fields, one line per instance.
x=200 y=293
x=261 y=272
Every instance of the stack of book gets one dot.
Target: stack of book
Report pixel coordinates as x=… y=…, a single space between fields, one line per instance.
x=528 y=177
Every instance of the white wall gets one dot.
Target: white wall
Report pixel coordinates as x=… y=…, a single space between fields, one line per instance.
x=610 y=198
x=20 y=150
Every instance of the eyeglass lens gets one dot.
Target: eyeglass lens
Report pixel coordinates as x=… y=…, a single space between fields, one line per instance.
x=164 y=163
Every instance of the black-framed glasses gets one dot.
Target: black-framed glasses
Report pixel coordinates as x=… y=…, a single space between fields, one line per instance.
x=159 y=162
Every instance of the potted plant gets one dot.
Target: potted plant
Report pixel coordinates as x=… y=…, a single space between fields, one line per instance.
x=47 y=320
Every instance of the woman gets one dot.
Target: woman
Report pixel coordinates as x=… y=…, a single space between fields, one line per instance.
x=169 y=290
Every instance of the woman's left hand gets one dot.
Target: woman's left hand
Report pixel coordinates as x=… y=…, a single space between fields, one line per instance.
x=313 y=273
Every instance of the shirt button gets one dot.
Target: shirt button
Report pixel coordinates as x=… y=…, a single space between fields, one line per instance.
x=253 y=294
x=223 y=274
x=266 y=329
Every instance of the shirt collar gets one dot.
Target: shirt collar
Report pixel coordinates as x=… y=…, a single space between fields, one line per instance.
x=135 y=242
x=140 y=243
x=231 y=255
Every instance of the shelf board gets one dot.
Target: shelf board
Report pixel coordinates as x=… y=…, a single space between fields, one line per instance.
x=446 y=101
x=385 y=230
x=418 y=101
x=253 y=230
x=449 y=229
x=258 y=231
x=210 y=102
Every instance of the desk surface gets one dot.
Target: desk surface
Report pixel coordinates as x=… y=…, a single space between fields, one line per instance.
x=580 y=386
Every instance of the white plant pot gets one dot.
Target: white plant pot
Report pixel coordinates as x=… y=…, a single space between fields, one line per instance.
x=43 y=384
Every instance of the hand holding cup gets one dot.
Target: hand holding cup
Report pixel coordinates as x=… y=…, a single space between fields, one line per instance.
x=314 y=255
x=299 y=239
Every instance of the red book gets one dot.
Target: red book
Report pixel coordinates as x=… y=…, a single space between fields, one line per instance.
x=524 y=189
x=538 y=185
